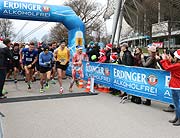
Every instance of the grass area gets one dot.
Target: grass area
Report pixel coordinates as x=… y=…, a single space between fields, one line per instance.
x=144 y=50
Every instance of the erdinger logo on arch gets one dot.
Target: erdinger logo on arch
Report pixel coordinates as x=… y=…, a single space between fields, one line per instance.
x=107 y=71
x=152 y=80
x=23 y=6
x=45 y=9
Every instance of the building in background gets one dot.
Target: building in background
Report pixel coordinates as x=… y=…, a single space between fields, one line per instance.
x=150 y=20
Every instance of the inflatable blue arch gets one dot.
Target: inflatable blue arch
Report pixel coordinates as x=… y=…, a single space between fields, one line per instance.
x=50 y=13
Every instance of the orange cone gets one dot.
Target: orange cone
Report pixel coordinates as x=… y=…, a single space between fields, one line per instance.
x=88 y=85
x=106 y=90
x=100 y=88
x=95 y=87
x=80 y=84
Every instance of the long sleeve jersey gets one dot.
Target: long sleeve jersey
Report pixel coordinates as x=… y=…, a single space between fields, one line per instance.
x=45 y=60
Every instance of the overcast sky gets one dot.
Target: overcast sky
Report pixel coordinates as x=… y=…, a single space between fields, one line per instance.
x=44 y=30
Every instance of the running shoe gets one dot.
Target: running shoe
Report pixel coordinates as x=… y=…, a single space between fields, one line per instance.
x=15 y=81
x=53 y=81
x=47 y=86
x=29 y=86
x=61 y=90
x=4 y=92
x=3 y=97
x=41 y=90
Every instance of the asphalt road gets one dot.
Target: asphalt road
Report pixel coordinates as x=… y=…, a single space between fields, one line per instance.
x=80 y=116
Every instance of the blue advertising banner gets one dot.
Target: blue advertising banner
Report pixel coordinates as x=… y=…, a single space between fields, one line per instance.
x=51 y=13
x=143 y=82
x=69 y=68
x=101 y=72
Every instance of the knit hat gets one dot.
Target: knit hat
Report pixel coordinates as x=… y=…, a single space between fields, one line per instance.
x=177 y=54
x=91 y=43
x=152 y=48
x=46 y=48
x=113 y=57
x=102 y=52
x=109 y=46
x=124 y=44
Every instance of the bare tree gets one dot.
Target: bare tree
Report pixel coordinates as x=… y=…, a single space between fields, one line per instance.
x=89 y=11
x=150 y=18
x=58 y=32
x=45 y=38
x=171 y=19
x=6 y=28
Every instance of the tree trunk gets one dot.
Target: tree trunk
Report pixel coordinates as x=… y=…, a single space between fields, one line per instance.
x=150 y=32
x=169 y=34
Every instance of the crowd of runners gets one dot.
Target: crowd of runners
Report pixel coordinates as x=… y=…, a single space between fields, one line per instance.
x=45 y=61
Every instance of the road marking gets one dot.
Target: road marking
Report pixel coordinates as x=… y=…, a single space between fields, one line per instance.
x=46 y=97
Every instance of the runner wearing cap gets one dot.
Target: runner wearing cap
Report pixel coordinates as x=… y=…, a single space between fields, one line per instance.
x=45 y=63
x=62 y=57
x=77 y=66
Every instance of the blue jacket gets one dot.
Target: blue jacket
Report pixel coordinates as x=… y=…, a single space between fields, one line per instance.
x=45 y=60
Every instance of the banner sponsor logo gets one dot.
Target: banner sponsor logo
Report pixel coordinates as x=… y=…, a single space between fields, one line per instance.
x=133 y=80
x=101 y=73
x=107 y=72
x=152 y=80
x=14 y=8
x=46 y=9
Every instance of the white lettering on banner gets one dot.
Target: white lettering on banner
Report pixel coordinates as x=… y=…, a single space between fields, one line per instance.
x=167 y=93
x=130 y=76
x=5 y=12
x=137 y=87
x=26 y=13
x=22 y=6
x=101 y=78
x=167 y=79
x=99 y=70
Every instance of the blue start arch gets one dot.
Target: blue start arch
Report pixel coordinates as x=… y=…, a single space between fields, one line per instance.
x=50 y=13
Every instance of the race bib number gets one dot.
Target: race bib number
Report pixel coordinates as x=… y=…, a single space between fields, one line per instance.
x=15 y=57
x=63 y=61
x=28 y=59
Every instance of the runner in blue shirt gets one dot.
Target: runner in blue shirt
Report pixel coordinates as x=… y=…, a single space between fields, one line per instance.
x=28 y=57
x=45 y=63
